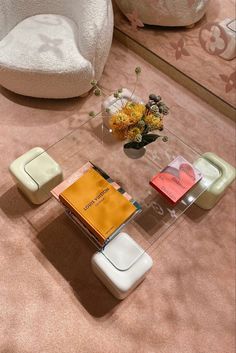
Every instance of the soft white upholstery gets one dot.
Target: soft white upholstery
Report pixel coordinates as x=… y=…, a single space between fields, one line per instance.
x=53 y=49
x=165 y=12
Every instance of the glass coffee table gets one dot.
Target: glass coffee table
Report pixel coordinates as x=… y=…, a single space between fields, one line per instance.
x=92 y=141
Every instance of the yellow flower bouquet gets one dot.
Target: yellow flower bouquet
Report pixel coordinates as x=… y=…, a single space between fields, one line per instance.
x=135 y=121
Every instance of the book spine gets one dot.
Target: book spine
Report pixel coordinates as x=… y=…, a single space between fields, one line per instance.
x=88 y=233
x=82 y=220
x=93 y=230
x=118 y=230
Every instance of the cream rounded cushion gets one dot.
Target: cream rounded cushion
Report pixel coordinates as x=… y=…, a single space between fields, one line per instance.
x=36 y=174
x=165 y=12
x=122 y=265
x=217 y=176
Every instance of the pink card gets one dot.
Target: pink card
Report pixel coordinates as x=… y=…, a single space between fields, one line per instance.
x=175 y=180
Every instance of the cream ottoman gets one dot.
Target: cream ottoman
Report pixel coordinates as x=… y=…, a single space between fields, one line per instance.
x=122 y=265
x=218 y=175
x=36 y=176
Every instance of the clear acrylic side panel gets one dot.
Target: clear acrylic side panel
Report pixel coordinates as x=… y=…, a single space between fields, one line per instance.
x=93 y=142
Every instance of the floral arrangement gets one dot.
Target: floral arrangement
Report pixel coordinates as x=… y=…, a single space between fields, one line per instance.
x=135 y=121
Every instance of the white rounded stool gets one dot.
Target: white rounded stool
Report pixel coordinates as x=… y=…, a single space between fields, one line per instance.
x=36 y=174
x=122 y=265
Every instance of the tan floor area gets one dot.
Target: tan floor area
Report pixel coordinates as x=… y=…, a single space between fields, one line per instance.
x=50 y=301
x=182 y=49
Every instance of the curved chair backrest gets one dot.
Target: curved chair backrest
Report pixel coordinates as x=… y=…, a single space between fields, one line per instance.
x=14 y=11
x=91 y=16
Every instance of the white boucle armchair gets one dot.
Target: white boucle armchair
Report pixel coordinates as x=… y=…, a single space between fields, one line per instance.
x=53 y=49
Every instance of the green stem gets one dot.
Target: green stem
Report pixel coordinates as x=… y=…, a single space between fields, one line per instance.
x=135 y=86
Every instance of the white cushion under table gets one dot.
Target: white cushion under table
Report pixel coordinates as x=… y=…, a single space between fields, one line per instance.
x=121 y=265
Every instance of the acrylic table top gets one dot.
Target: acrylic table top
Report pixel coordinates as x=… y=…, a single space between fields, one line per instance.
x=93 y=142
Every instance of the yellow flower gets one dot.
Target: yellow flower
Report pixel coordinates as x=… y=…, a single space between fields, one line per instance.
x=133 y=132
x=120 y=134
x=119 y=121
x=153 y=122
x=128 y=116
x=135 y=111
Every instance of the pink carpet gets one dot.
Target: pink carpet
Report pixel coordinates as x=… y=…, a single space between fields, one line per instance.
x=51 y=302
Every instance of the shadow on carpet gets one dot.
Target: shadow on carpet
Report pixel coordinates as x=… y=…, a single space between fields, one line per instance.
x=70 y=252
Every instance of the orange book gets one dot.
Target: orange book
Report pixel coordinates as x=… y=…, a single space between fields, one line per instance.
x=97 y=204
